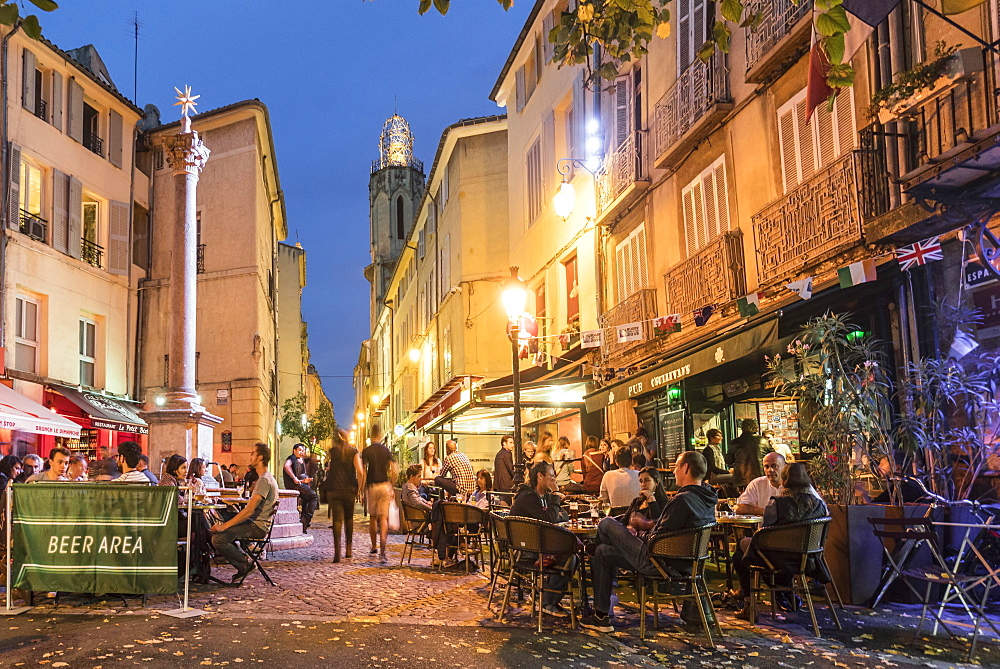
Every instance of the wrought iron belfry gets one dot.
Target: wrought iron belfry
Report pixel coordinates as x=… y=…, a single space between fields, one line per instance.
x=395 y=145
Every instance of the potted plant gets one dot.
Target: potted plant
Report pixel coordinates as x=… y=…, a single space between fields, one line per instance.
x=911 y=87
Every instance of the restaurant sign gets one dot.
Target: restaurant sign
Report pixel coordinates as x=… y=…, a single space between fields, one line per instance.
x=85 y=537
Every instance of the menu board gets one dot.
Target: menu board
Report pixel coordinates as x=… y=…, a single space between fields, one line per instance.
x=673 y=437
x=782 y=418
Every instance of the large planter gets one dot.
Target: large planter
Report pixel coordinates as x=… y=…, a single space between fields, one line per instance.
x=853 y=552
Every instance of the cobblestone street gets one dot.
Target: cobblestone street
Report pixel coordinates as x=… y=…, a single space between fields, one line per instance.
x=311 y=589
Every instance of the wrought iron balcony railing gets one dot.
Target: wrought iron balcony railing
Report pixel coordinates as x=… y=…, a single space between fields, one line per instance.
x=624 y=167
x=41 y=108
x=777 y=19
x=34 y=226
x=94 y=143
x=640 y=306
x=715 y=274
x=815 y=220
x=91 y=253
x=697 y=90
x=201 y=258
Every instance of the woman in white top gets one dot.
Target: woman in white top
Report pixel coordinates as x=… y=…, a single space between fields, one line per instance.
x=430 y=464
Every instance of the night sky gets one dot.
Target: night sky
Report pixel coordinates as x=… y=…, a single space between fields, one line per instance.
x=330 y=73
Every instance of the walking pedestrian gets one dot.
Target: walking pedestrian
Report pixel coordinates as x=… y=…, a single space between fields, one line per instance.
x=341 y=490
x=378 y=476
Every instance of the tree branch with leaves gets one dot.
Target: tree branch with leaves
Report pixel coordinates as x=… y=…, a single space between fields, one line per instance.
x=297 y=424
x=10 y=15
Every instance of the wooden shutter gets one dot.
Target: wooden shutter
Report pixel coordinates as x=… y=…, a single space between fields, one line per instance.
x=519 y=89
x=60 y=212
x=548 y=22
x=118 y=260
x=579 y=128
x=115 y=138
x=540 y=60
x=685 y=52
x=14 y=197
x=844 y=120
x=639 y=258
x=75 y=206
x=57 y=101
x=75 y=100
x=690 y=220
x=28 y=90
x=623 y=115
x=446 y=265
x=708 y=192
x=786 y=141
x=804 y=142
x=548 y=157
x=721 y=195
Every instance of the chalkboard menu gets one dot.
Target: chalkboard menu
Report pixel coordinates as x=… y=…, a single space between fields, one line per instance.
x=673 y=436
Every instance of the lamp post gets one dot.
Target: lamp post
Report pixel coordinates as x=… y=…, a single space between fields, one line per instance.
x=515 y=296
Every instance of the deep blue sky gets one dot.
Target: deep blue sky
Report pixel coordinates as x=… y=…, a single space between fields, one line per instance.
x=330 y=72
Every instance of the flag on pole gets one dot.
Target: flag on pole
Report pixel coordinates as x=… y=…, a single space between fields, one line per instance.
x=664 y=325
x=919 y=253
x=592 y=339
x=702 y=315
x=803 y=287
x=958 y=6
x=749 y=305
x=857 y=273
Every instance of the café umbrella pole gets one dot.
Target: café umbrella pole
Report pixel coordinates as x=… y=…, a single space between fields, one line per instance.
x=8 y=557
x=186 y=611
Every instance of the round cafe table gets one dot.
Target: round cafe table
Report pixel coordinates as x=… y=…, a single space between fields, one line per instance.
x=586 y=533
x=731 y=524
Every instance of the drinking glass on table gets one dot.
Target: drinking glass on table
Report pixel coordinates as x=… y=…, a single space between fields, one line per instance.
x=732 y=501
x=574 y=510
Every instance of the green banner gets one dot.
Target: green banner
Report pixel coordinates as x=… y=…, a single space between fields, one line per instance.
x=95 y=537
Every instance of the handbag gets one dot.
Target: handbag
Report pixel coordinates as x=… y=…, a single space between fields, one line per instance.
x=393 y=515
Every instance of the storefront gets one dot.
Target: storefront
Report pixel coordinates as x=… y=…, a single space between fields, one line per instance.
x=106 y=421
x=28 y=427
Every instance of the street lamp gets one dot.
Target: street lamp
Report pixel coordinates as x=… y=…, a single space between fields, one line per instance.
x=515 y=297
x=565 y=199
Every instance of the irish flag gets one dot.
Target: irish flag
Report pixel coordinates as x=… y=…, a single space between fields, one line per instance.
x=749 y=305
x=855 y=273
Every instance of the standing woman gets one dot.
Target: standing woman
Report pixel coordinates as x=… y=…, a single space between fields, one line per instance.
x=594 y=462
x=430 y=464
x=341 y=490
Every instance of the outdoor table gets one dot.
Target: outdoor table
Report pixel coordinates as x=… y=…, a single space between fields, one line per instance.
x=586 y=533
x=730 y=525
x=199 y=509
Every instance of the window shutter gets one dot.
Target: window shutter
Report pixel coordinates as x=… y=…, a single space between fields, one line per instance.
x=446 y=265
x=57 y=101
x=786 y=141
x=721 y=195
x=115 y=138
x=548 y=157
x=420 y=244
x=804 y=133
x=623 y=116
x=844 y=120
x=28 y=91
x=579 y=128
x=548 y=22
x=60 y=214
x=826 y=141
x=708 y=191
x=519 y=89
x=685 y=54
x=699 y=26
x=14 y=200
x=698 y=193
x=118 y=260
x=75 y=95
x=627 y=269
x=539 y=57
x=639 y=258
x=75 y=206
x=690 y=229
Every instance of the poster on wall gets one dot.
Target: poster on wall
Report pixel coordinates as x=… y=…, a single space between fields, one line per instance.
x=782 y=418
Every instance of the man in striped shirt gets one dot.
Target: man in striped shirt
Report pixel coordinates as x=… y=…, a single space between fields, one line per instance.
x=457 y=464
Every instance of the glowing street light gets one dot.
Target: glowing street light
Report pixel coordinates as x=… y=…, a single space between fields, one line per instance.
x=515 y=297
x=565 y=199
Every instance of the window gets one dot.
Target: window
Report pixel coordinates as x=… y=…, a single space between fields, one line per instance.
x=90 y=251
x=34 y=87
x=26 y=334
x=692 y=30
x=31 y=188
x=540 y=311
x=88 y=352
x=535 y=186
x=527 y=76
x=809 y=146
x=572 y=290
x=706 y=206
x=91 y=130
x=445 y=190
x=630 y=263
x=400 y=218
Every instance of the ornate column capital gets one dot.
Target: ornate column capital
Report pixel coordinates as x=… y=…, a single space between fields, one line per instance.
x=186 y=153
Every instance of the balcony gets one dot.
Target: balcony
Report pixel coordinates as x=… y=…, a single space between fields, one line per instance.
x=640 y=306
x=91 y=253
x=716 y=274
x=692 y=108
x=201 y=258
x=945 y=149
x=34 y=226
x=812 y=222
x=622 y=178
x=781 y=38
x=94 y=143
x=41 y=109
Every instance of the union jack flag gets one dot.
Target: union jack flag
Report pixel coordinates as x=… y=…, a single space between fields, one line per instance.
x=919 y=253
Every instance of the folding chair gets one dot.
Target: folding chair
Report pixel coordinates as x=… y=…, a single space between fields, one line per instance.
x=787 y=550
x=419 y=531
x=687 y=545
x=255 y=550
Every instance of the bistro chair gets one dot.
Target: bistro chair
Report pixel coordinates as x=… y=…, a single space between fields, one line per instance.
x=499 y=555
x=255 y=549
x=795 y=550
x=466 y=524
x=539 y=550
x=499 y=500
x=688 y=545
x=418 y=534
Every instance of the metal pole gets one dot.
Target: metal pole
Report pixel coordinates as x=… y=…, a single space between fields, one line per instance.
x=187 y=553
x=515 y=327
x=7 y=557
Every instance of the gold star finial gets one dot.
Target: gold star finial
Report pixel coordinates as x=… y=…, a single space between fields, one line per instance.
x=186 y=101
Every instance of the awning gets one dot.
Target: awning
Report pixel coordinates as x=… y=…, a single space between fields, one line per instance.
x=444 y=398
x=17 y=412
x=711 y=355
x=106 y=413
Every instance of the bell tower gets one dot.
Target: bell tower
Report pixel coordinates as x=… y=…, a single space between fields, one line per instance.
x=394 y=191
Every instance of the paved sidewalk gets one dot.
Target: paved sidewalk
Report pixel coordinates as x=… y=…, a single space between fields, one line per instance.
x=363 y=590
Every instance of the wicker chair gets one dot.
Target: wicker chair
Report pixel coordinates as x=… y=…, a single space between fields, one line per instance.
x=418 y=534
x=538 y=550
x=499 y=500
x=468 y=524
x=499 y=555
x=785 y=550
x=688 y=545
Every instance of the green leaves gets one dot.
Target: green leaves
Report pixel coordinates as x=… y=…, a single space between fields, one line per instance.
x=832 y=22
x=31 y=27
x=8 y=14
x=732 y=10
x=45 y=5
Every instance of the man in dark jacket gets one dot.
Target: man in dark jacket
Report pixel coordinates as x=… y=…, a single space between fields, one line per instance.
x=692 y=506
x=503 y=465
x=539 y=500
x=746 y=454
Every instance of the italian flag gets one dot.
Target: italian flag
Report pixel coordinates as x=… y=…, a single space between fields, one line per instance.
x=856 y=273
x=749 y=305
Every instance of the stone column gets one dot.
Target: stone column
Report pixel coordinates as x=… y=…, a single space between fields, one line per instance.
x=182 y=425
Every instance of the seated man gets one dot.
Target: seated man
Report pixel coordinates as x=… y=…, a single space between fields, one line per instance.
x=58 y=460
x=295 y=478
x=252 y=522
x=411 y=492
x=129 y=457
x=538 y=499
x=77 y=468
x=760 y=490
x=144 y=468
x=692 y=506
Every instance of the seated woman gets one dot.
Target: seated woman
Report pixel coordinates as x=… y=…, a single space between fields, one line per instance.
x=645 y=509
x=797 y=502
x=195 y=473
x=484 y=484
x=411 y=489
x=175 y=473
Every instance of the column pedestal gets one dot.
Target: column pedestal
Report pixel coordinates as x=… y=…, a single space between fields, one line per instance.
x=185 y=431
